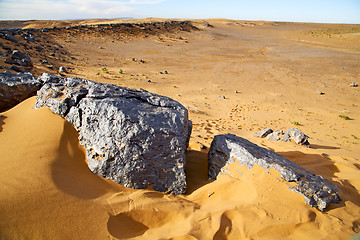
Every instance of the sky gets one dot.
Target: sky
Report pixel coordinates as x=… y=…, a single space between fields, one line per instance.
x=326 y=11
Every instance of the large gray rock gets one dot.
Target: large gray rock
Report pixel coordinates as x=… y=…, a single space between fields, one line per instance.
x=132 y=137
x=225 y=149
x=15 y=88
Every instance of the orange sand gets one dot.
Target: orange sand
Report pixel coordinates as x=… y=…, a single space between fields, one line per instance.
x=47 y=191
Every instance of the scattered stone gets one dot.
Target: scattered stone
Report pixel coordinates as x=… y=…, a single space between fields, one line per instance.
x=19 y=58
x=236 y=91
x=202 y=146
x=275 y=136
x=354 y=84
x=132 y=137
x=149 y=80
x=298 y=136
x=263 y=133
x=62 y=69
x=319 y=92
x=15 y=88
x=226 y=149
x=285 y=138
x=165 y=72
x=223 y=97
x=52 y=54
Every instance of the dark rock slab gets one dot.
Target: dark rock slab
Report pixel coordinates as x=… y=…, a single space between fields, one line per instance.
x=15 y=88
x=132 y=137
x=225 y=149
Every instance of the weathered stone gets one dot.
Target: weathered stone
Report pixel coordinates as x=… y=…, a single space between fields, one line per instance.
x=15 y=88
x=132 y=137
x=19 y=58
x=225 y=149
x=275 y=136
x=354 y=84
x=319 y=92
x=298 y=136
x=62 y=69
x=263 y=133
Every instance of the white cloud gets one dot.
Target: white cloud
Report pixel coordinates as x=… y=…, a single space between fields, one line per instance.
x=69 y=9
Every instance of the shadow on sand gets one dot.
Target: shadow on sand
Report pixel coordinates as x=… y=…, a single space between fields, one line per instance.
x=1 y=122
x=70 y=171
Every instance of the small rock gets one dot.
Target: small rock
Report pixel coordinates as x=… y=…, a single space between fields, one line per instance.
x=263 y=133
x=149 y=80
x=52 y=54
x=319 y=92
x=62 y=69
x=165 y=72
x=298 y=136
x=223 y=97
x=275 y=136
x=353 y=84
x=236 y=91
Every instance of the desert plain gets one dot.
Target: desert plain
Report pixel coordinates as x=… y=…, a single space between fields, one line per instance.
x=233 y=77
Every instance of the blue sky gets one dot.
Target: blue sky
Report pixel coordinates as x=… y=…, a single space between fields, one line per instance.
x=329 y=11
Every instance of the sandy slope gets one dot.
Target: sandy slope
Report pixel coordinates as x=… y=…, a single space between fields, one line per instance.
x=47 y=191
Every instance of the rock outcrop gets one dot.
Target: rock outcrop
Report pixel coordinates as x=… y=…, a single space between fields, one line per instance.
x=132 y=137
x=225 y=149
x=15 y=88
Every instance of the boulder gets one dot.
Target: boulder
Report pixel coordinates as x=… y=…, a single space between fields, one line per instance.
x=225 y=149
x=19 y=58
x=15 y=88
x=132 y=137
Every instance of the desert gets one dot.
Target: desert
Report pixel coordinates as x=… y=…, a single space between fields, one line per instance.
x=233 y=77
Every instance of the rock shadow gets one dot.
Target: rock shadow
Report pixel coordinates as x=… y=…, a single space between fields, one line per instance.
x=70 y=172
x=322 y=165
x=1 y=122
x=317 y=146
x=196 y=170
x=123 y=226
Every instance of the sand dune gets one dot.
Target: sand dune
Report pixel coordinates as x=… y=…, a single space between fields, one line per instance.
x=48 y=192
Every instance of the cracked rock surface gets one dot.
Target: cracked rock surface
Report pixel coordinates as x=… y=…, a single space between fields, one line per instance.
x=225 y=149
x=132 y=137
x=15 y=88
